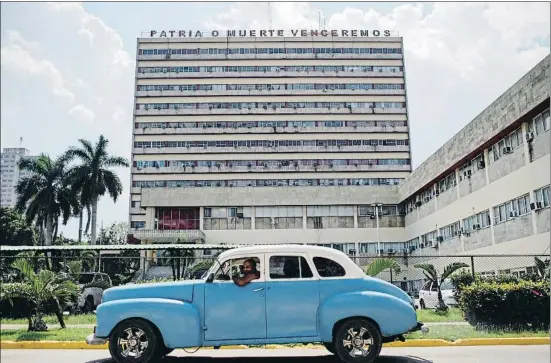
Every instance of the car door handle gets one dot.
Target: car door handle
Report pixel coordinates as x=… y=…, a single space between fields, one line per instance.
x=259 y=289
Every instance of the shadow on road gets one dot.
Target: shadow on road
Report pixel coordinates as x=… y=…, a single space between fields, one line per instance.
x=322 y=359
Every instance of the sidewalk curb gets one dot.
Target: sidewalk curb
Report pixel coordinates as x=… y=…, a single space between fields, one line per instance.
x=413 y=343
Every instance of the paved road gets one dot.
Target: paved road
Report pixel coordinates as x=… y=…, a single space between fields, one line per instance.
x=503 y=354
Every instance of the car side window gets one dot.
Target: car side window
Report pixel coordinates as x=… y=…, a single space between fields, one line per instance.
x=328 y=268
x=289 y=267
x=426 y=286
x=434 y=287
x=234 y=268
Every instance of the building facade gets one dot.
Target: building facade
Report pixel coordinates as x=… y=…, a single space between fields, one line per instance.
x=10 y=174
x=305 y=140
x=275 y=121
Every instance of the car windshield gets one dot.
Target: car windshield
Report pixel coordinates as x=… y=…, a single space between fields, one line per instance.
x=446 y=285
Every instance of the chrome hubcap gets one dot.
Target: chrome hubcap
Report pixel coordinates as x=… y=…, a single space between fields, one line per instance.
x=358 y=342
x=133 y=343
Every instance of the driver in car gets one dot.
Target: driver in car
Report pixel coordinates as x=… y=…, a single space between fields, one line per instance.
x=250 y=273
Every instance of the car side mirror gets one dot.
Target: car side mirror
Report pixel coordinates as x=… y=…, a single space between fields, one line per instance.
x=210 y=277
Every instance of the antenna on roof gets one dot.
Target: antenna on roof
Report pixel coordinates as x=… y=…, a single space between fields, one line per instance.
x=319 y=20
x=21 y=141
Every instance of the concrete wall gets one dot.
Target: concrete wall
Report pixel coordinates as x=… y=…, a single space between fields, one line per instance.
x=541 y=145
x=506 y=164
x=517 y=101
x=514 y=229
x=542 y=221
x=476 y=181
x=477 y=239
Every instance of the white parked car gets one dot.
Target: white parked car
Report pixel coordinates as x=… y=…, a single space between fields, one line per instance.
x=428 y=295
x=92 y=286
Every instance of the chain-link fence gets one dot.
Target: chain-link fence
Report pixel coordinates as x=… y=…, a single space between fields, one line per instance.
x=126 y=266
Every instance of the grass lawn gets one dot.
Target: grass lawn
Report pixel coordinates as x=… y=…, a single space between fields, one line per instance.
x=450 y=333
x=430 y=316
x=86 y=319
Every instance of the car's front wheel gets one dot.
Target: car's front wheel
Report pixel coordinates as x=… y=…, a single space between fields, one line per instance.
x=358 y=341
x=134 y=341
x=422 y=304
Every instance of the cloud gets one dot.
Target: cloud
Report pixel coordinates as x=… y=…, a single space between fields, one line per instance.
x=17 y=57
x=82 y=113
x=459 y=57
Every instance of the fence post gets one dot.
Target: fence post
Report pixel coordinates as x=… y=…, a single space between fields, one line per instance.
x=472 y=266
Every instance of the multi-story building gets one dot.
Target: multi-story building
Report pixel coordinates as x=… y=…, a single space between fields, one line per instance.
x=10 y=174
x=258 y=134
x=305 y=140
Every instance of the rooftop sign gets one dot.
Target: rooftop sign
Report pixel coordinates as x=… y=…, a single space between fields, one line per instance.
x=268 y=33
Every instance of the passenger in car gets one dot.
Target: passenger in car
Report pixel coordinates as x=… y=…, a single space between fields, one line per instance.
x=250 y=273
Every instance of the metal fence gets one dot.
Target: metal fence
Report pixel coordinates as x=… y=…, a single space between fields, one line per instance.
x=130 y=266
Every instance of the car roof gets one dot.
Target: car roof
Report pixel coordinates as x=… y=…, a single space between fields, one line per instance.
x=352 y=269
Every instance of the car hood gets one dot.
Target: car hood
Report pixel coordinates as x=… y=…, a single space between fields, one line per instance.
x=384 y=287
x=179 y=290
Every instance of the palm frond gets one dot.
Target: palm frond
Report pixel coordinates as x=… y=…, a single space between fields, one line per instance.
x=429 y=270
x=116 y=161
x=451 y=268
x=379 y=265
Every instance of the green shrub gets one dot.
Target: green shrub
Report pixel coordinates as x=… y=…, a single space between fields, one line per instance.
x=513 y=306
x=20 y=307
x=156 y=280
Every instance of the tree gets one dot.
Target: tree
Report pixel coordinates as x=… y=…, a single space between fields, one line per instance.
x=44 y=196
x=40 y=289
x=542 y=268
x=92 y=179
x=381 y=264
x=431 y=274
x=15 y=230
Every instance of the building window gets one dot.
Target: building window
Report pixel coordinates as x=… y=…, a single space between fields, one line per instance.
x=280 y=217
x=540 y=123
x=511 y=209
x=447 y=183
x=542 y=196
x=137 y=224
x=176 y=218
x=478 y=221
x=428 y=238
x=227 y=218
x=506 y=145
x=450 y=231
x=334 y=216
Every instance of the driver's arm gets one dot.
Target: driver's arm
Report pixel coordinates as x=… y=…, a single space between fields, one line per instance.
x=245 y=279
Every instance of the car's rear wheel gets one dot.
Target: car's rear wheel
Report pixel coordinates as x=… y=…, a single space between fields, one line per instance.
x=135 y=341
x=88 y=304
x=330 y=347
x=358 y=341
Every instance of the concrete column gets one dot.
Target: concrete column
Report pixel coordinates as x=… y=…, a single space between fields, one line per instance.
x=491 y=209
x=253 y=217
x=524 y=128
x=150 y=218
x=304 y=218
x=356 y=218
x=486 y=166
x=533 y=213
x=201 y=217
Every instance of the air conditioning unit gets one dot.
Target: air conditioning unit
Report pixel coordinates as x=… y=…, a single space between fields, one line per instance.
x=418 y=204
x=381 y=252
x=391 y=251
x=513 y=213
x=469 y=173
x=433 y=244
x=440 y=239
x=507 y=150
x=427 y=199
x=476 y=226
x=167 y=56
x=239 y=215
x=530 y=136
x=422 y=245
x=481 y=164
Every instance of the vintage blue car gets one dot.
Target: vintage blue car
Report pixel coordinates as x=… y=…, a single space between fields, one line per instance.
x=297 y=294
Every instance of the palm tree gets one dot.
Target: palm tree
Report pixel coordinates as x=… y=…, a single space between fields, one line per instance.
x=542 y=268
x=431 y=274
x=44 y=196
x=381 y=264
x=92 y=178
x=41 y=289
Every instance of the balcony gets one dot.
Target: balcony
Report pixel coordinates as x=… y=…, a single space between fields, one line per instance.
x=266 y=149
x=283 y=92
x=174 y=57
x=316 y=74
x=267 y=169
x=266 y=111
x=168 y=236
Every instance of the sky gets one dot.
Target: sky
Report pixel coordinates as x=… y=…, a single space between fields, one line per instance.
x=68 y=68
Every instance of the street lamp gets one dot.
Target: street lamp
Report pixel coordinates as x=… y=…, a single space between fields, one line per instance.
x=376 y=206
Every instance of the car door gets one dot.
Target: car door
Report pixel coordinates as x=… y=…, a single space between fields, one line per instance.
x=236 y=312
x=292 y=296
